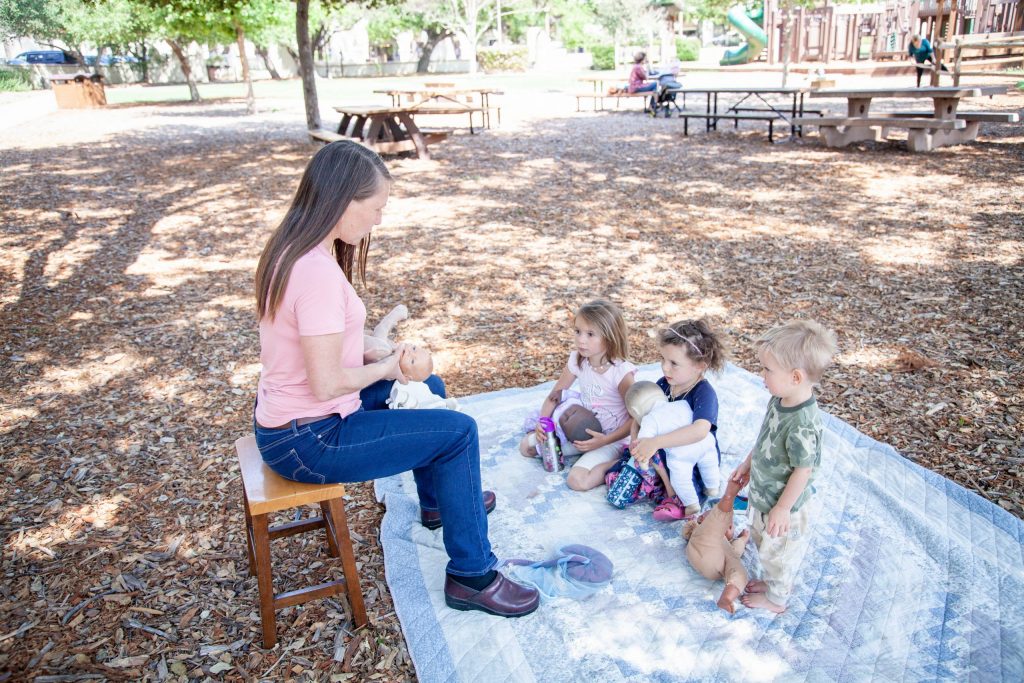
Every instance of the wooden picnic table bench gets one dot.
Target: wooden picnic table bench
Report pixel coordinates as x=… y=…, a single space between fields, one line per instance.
x=925 y=130
x=599 y=98
x=442 y=98
x=385 y=130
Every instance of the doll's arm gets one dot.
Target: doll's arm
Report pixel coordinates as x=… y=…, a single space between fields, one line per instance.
x=376 y=348
x=684 y=436
x=384 y=327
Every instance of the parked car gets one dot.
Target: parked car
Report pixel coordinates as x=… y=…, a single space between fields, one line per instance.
x=730 y=39
x=107 y=60
x=45 y=57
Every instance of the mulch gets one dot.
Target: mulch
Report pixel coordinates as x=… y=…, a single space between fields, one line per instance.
x=130 y=352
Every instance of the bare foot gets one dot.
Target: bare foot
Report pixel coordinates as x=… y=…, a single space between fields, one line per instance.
x=761 y=601
x=729 y=595
x=756 y=586
x=746 y=534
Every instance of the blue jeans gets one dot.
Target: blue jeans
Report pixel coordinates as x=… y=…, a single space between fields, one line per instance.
x=441 y=447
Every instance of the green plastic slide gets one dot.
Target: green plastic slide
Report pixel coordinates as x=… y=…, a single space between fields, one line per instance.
x=748 y=23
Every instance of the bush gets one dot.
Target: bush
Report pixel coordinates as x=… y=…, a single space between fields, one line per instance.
x=687 y=49
x=509 y=58
x=14 y=80
x=604 y=57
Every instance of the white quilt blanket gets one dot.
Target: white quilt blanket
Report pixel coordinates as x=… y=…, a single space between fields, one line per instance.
x=908 y=577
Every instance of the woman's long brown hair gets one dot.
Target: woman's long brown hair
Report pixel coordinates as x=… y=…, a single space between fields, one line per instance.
x=338 y=174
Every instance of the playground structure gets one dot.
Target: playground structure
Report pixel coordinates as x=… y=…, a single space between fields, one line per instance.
x=852 y=33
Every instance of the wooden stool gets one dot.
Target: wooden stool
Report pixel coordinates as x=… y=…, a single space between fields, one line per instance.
x=265 y=492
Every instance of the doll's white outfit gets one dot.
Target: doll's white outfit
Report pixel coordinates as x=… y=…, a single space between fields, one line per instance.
x=668 y=417
x=418 y=395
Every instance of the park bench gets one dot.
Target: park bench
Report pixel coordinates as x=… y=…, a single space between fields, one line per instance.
x=456 y=109
x=923 y=134
x=712 y=121
x=325 y=136
x=969 y=116
x=599 y=98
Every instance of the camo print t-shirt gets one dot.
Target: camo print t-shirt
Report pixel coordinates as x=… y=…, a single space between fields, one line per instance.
x=789 y=438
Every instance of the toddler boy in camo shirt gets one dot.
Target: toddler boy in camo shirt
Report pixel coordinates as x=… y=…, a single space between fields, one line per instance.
x=783 y=462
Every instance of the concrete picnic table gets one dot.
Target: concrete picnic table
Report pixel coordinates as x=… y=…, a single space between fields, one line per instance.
x=942 y=126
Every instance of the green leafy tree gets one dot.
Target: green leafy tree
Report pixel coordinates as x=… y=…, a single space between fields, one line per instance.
x=628 y=21
x=67 y=24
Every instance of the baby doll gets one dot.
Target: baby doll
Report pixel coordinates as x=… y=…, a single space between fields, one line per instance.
x=416 y=362
x=656 y=415
x=713 y=552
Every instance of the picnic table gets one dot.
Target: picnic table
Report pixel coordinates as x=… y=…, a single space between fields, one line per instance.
x=385 y=130
x=443 y=98
x=752 y=111
x=943 y=125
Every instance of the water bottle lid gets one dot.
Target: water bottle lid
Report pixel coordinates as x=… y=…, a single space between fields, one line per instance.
x=547 y=424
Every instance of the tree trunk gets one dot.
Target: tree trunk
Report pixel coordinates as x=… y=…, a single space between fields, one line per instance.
x=186 y=68
x=144 y=62
x=306 y=64
x=433 y=39
x=250 y=96
x=99 y=59
x=264 y=54
x=469 y=53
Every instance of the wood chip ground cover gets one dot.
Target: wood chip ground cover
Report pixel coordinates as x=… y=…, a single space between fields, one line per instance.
x=129 y=352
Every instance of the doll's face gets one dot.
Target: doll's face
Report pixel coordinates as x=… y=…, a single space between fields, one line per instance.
x=416 y=363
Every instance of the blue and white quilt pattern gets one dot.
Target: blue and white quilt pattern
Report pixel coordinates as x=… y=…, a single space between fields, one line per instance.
x=909 y=577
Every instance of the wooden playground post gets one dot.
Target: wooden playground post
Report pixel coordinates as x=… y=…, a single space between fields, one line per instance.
x=945 y=34
x=936 y=34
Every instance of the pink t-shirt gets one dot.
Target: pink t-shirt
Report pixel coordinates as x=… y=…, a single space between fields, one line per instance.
x=600 y=391
x=317 y=300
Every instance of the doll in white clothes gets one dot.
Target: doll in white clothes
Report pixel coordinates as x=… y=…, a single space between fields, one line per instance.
x=655 y=415
x=416 y=364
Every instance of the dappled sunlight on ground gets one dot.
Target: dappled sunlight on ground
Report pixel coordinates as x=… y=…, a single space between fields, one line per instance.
x=130 y=347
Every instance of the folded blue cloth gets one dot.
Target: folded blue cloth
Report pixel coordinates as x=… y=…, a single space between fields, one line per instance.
x=575 y=571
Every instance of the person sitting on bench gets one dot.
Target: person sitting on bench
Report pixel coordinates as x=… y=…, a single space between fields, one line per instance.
x=638 y=75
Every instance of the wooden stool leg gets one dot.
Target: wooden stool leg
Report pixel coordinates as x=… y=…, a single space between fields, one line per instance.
x=248 y=533
x=332 y=543
x=348 y=561
x=261 y=549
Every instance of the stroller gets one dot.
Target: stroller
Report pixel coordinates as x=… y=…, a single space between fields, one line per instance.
x=668 y=87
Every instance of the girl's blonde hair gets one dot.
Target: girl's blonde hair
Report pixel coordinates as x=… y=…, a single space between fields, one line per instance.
x=800 y=344
x=607 y=318
x=700 y=344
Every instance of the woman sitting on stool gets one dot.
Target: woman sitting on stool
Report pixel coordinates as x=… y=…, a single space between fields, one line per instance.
x=320 y=413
